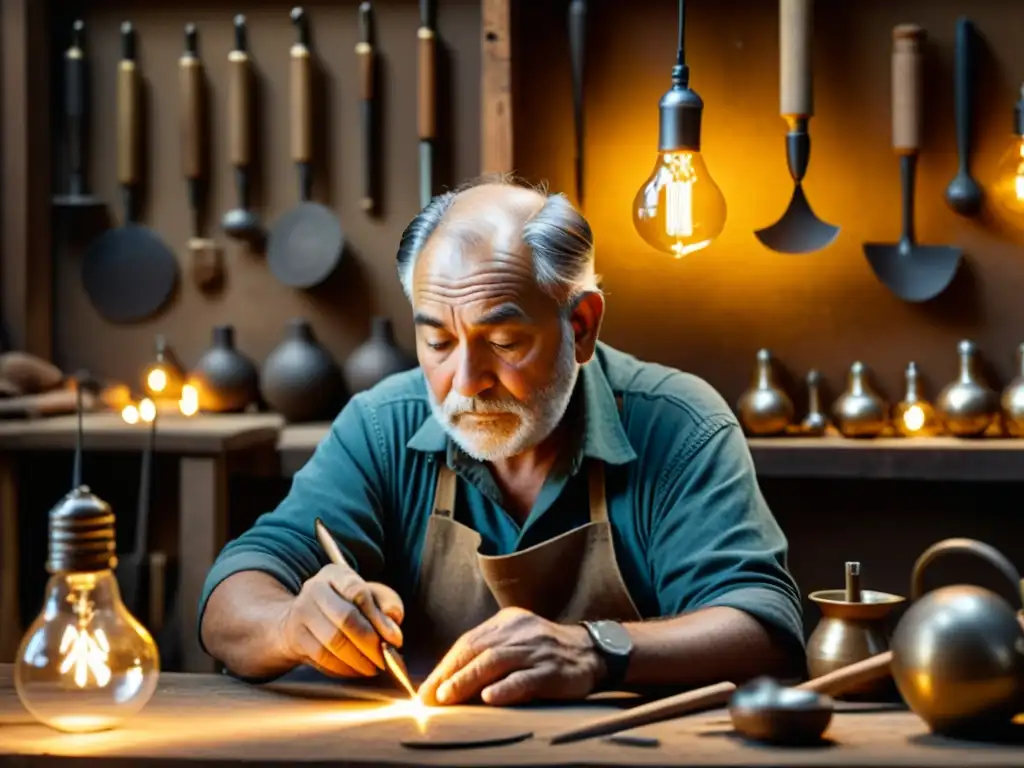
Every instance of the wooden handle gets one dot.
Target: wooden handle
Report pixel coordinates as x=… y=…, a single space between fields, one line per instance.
x=427 y=112
x=850 y=677
x=190 y=70
x=301 y=85
x=128 y=129
x=364 y=51
x=907 y=40
x=329 y=544
x=663 y=709
x=240 y=99
x=796 y=20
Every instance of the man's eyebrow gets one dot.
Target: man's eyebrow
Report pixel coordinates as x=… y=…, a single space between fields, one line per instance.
x=421 y=318
x=503 y=314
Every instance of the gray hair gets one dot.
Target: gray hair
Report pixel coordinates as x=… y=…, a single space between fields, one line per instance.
x=559 y=239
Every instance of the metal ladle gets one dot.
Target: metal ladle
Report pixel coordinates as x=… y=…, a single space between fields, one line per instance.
x=765 y=710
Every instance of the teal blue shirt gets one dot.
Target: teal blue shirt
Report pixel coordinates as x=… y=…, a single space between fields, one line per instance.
x=690 y=526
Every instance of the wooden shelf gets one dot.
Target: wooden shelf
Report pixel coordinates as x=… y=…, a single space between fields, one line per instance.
x=890 y=458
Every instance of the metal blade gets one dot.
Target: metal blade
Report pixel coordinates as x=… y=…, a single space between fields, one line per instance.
x=799 y=230
x=397 y=668
x=426 y=172
x=914 y=273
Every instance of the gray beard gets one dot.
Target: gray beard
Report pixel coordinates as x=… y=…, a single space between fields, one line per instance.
x=537 y=418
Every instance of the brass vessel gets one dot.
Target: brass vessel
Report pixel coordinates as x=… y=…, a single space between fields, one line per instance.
x=765 y=409
x=859 y=411
x=968 y=406
x=1012 y=401
x=958 y=652
x=815 y=422
x=853 y=627
x=914 y=416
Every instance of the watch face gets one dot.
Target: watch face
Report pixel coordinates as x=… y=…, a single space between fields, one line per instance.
x=613 y=637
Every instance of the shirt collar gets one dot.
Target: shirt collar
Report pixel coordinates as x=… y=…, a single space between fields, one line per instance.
x=604 y=437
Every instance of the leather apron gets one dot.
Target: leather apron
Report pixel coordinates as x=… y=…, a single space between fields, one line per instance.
x=570 y=578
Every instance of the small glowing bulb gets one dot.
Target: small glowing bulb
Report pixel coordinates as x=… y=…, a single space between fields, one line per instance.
x=189 y=402
x=913 y=418
x=679 y=209
x=156 y=380
x=85 y=664
x=130 y=414
x=147 y=410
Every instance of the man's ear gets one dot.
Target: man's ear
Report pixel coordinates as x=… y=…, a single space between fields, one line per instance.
x=586 y=316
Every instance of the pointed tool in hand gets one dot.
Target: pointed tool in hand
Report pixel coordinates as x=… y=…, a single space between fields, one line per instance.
x=799 y=230
x=392 y=659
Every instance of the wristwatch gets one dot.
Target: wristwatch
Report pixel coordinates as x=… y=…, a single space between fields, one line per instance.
x=613 y=642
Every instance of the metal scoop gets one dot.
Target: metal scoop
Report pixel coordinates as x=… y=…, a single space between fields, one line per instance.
x=799 y=230
x=911 y=271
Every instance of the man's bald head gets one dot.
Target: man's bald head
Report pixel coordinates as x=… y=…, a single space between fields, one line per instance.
x=488 y=216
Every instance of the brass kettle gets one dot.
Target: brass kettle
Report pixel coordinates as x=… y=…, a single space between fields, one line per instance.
x=958 y=651
x=765 y=408
x=968 y=405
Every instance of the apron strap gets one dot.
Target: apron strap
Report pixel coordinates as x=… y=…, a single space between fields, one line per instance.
x=598 y=500
x=444 y=491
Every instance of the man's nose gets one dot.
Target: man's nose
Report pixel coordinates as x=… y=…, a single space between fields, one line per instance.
x=474 y=375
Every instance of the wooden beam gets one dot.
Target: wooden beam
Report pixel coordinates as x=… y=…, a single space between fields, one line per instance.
x=25 y=244
x=496 y=82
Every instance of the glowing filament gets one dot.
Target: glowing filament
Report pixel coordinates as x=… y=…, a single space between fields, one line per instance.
x=130 y=413
x=913 y=418
x=84 y=651
x=189 y=402
x=147 y=410
x=156 y=380
x=679 y=197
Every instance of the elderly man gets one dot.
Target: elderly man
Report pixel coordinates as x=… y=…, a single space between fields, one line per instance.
x=531 y=512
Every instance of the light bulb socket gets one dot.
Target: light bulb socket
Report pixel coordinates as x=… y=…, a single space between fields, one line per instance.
x=82 y=536
x=680 y=111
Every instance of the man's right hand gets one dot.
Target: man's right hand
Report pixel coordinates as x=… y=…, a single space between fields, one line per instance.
x=337 y=621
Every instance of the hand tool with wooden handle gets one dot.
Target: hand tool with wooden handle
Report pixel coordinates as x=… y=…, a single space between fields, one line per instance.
x=963 y=194
x=306 y=243
x=427 y=93
x=799 y=230
x=207 y=271
x=913 y=272
x=76 y=117
x=577 y=51
x=365 y=54
x=241 y=222
x=129 y=273
x=396 y=666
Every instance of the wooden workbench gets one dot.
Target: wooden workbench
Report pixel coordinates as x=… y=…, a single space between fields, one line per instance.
x=205 y=447
x=213 y=720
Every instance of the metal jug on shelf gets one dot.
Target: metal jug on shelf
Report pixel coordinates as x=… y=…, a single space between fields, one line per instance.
x=958 y=652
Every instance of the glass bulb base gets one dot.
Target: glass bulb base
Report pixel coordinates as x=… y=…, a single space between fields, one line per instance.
x=85 y=664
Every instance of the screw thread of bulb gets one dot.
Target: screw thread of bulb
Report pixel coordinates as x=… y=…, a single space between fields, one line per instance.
x=81 y=534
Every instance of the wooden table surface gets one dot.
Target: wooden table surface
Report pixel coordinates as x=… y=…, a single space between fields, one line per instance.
x=214 y=720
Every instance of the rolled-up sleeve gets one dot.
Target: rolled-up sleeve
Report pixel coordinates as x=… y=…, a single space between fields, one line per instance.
x=714 y=541
x=341 y=485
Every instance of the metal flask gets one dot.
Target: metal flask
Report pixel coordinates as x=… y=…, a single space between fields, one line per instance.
x=968 y=405
x=859 y=411
x=958 y=652
x=765 y=408
x=1013 y=399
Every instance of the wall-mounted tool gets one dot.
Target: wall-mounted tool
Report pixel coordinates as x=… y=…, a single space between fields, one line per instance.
x=427 y=112
x=963 y=194
x=913 y=272
x=799 y=230
x=367 y=105
x=305 y=244
x=76 y=118
x=129 y=273
x=241 y=222
x=577 y=51
x=206 y=263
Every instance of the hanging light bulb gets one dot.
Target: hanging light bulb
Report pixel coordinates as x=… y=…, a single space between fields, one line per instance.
x=163 y=377
x=1009 y=185
x=679 y=209
x=85 y=663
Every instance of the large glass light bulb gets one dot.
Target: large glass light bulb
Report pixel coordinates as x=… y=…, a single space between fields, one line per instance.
x=85 y=663
x=679 y=209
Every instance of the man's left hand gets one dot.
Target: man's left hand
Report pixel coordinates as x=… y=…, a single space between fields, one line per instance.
x=515 y=657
